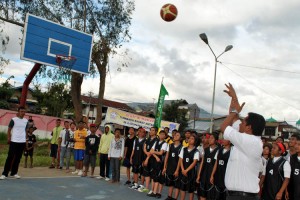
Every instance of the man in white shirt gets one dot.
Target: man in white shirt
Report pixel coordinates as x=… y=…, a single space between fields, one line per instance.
x=244 y=165
x=16 y=138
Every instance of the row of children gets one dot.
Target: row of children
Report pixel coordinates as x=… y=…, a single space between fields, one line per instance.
x=202 y=169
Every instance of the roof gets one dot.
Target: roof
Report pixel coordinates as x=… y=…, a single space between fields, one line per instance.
x=106 y=103
x=21 y=87
x=271 y=120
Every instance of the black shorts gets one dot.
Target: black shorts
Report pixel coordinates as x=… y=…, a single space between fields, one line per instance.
x=126 y=163
x=156 y=173
x=171 y=180
x=187 y=184
x=137 y=169
x=147 y=170
x=89 y=160
x=28 y=153
x=208 y=191
x=53 y=150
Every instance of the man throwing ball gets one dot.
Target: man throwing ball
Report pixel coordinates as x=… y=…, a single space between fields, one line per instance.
x=244 y=164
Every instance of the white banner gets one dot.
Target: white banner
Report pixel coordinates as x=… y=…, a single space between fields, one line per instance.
x=133 y=120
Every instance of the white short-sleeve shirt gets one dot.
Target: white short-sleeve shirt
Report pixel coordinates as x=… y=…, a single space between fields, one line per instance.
x=196 y=155
x=286 y=168
x=164 y=146
x=244 y=164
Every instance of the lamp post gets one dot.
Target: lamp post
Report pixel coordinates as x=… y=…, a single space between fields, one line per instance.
x=228 y=48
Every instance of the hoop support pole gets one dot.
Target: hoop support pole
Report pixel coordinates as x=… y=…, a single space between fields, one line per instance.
x=27 y=81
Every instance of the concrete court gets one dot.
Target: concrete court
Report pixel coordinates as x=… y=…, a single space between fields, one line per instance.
x=36 y=183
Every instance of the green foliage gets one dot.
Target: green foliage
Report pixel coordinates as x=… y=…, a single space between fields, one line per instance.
x=4 y=104
x=6 y=90
x=3 y=138
x=57 y=99
x=173 y=114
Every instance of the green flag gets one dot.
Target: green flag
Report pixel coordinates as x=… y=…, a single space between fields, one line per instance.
x=163 y=92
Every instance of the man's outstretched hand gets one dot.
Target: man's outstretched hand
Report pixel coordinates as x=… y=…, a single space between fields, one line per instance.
x=234 y=100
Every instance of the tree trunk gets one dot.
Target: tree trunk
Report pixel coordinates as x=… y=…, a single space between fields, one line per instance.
x=102 y=70
x=76 y=82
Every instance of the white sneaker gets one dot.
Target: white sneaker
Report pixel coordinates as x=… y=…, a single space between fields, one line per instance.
x=16 y=176
x=135 y=186
x=99 y=177
x=80 y=173
x=141 y=188
x=107 y=179
x=2 y=177
x=75 y=172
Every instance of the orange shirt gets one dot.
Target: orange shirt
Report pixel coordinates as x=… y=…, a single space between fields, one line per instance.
x=79 y=137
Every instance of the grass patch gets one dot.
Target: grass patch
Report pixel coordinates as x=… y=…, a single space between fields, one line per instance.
x=3 y=138
x=41 y=156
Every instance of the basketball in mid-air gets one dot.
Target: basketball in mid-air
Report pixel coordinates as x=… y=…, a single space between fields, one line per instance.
x=168 y=12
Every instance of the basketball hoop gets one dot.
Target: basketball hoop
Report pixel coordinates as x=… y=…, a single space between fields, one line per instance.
x=65 y=61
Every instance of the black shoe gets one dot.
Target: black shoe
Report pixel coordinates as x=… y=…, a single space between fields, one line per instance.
x=169 y=198
x=158 y=196
x=51 y=166
x=151 y=195
x=60 y=167
x=127 y=183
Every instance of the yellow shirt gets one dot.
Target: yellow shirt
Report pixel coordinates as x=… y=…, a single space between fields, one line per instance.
x=169 y=140
x=80 y=142
x=105 y=142
x=185 y=144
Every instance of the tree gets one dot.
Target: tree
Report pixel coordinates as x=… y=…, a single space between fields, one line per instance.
x=108 y=20
x=57 y=99
x=6 y=92
x=173 y=114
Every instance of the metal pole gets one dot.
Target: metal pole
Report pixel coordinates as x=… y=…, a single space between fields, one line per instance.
x=213 y=98
x=26 y=83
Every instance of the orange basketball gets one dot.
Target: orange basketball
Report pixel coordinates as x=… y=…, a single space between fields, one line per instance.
x=168 y=12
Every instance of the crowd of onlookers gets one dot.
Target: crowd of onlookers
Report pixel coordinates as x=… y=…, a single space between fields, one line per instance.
x=161 y=158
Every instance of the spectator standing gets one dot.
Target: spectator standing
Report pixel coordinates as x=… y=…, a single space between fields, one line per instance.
x=16 y=138
x=63 y=143
x=115 y=155
x=127 y=153
x=105 y=141
x=79 y=147
x=30 y=142
x=54 y=144
x=70 y=147
x=91 y=147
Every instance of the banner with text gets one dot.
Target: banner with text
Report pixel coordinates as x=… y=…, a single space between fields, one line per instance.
x=133 y=120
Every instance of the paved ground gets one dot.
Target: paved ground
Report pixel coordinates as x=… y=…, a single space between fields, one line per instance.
x=44 y=183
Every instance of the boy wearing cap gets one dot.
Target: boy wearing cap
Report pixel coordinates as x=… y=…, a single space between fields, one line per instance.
x=79 y=147
x=91 y=147
x=276 y=174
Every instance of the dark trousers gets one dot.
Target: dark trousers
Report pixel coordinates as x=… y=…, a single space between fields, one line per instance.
x=115 y=164
x=13 y=158
x=104 y=165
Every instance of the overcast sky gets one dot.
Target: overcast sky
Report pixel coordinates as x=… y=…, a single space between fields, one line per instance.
x=264 y=34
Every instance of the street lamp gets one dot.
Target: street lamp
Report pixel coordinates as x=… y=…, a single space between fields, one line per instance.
x=228 y=48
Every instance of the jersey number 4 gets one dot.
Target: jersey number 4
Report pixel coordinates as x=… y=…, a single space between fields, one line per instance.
x=271 y=171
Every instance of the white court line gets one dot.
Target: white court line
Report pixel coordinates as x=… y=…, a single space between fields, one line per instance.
x=39 y=177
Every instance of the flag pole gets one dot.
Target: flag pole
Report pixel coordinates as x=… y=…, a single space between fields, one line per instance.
x=162 y=80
